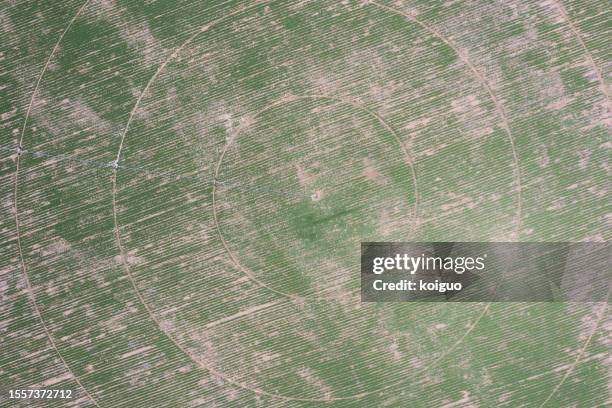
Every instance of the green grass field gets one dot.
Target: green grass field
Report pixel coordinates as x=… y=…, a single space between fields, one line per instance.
x=184 y=187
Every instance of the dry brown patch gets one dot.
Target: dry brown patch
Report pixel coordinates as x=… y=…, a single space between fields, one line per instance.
x=371 y=173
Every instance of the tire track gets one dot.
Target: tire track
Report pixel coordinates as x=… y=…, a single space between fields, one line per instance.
x=24 y=270
x=173 y=340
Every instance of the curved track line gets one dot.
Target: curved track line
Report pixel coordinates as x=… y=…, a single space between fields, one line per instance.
x=258 y=391
x=170 y=58
x=235 y=135
x=24 y=270
x=506 y=125
x=498 y=106
x=477 y=74
x=175 y=342
x=602 y=83
x=44 y=70
x=572 y=367
x=604 y=90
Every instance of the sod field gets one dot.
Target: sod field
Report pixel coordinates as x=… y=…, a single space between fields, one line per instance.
x=185 y=185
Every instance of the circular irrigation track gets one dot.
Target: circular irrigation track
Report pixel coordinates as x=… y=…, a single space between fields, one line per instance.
x=187 y=189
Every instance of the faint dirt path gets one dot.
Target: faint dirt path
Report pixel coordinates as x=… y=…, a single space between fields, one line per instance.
x=24 y=269
x=235 y=135
x=604 y=90
x=485 y=84
x=602 y=83
x=187 y=352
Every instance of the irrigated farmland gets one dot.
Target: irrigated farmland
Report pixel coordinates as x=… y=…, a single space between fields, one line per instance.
x=184 y=187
